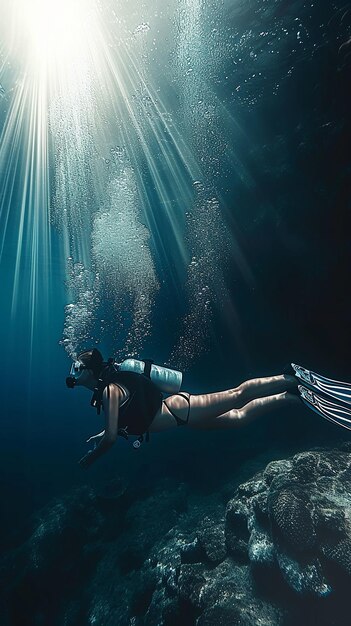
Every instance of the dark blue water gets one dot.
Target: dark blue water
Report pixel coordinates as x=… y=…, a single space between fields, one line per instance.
x=275 y=156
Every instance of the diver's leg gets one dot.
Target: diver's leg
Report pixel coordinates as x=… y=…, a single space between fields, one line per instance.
x=267 y=386
x=210 y=405
x=251 y=410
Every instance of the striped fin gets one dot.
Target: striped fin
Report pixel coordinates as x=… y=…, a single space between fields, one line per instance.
x=331 y=411
x=333 y=388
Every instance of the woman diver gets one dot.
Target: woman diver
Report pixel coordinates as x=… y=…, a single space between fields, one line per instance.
x=133 y=402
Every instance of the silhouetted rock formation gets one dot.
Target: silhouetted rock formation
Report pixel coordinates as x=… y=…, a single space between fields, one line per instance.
x=277 y=553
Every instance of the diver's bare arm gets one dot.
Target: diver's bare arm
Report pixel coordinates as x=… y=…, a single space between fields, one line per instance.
x=110 y=401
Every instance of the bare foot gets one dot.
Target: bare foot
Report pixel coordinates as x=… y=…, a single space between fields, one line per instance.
x=293 y=398
x=291 y=381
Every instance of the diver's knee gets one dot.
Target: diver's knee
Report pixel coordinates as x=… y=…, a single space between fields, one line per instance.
x=245 y=389
x=252 y=382
x=240 y=415
x=234 y=415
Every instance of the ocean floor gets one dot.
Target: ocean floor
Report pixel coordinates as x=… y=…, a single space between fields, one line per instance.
x=272 y=550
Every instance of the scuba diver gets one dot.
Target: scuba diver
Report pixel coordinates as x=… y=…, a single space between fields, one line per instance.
x=131 y=395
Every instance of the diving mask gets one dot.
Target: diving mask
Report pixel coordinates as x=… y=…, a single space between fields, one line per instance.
x=75 y=371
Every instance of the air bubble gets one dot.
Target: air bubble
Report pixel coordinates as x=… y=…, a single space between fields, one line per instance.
x=142 y=28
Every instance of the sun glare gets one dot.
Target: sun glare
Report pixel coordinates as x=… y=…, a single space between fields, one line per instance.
x=83 y=109
x=53 y=44
x=54 y=31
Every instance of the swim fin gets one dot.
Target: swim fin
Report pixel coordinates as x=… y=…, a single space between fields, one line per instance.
x=336 y=413
x=333 y=388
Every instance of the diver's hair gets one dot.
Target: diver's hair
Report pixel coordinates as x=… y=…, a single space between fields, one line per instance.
x=93 y=360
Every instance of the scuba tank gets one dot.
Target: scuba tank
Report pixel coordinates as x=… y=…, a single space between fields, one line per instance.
x=165 y=379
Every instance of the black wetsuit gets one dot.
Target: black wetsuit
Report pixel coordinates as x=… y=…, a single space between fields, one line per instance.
x=144 y=400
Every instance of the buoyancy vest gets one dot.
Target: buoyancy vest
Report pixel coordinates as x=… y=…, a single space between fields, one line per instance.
x=141 y=406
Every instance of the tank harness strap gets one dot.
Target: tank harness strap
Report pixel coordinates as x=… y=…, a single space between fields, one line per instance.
x=123 y=432
x=179 y=421
x=147 y=367
x=96 y=400
x=147 y=372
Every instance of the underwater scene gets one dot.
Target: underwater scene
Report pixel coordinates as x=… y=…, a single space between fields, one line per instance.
x=175 y=254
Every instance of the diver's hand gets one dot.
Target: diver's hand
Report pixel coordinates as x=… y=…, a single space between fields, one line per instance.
x=87 y=459
x=105 y=441
x=96 y=438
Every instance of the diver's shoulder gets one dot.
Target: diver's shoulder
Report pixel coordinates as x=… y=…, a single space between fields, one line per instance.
x=111 y=390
